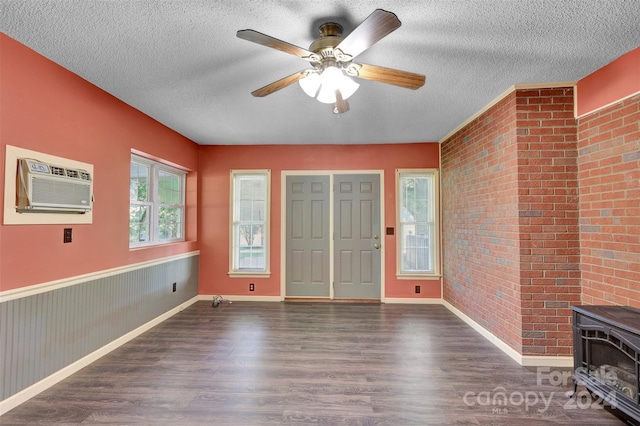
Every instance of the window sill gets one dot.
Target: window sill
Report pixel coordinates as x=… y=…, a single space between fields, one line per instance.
x=255 y=274
x=151 y=245
x=427 y=277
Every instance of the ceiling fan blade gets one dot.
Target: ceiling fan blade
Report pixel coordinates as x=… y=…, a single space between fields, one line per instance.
x=377 y=25
x=405 y=79
x=280 y=84
x=341 y=104
x=274 y=43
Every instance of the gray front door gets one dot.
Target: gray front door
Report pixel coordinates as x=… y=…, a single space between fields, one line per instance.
x=308 y=236
x=357 y=237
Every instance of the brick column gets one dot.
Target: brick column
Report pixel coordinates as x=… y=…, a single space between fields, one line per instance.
x=548 y=210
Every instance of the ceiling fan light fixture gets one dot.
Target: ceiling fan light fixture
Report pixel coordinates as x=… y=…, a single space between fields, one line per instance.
x=310 y=84
x=348 y=87
x=333 y=79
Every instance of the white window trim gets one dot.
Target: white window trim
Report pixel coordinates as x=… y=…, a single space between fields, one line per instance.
x=250 y=273
x=154 y=168
x=436 y=274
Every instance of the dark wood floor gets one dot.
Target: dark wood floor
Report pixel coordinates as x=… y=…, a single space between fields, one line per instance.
x=309 y=363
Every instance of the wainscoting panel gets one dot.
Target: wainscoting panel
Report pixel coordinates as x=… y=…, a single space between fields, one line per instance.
x=45 y=332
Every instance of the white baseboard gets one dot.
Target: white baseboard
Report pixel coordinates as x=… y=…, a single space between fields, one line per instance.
x=33 y=390
x=412 y=301
x=546 y=361
x=524 y=360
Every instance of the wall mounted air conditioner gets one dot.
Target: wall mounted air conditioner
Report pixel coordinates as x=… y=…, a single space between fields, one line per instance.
x=43 y=187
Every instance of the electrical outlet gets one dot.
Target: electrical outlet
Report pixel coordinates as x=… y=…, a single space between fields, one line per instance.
x=417 y=289
x=174 y=287
x=68 y=236
x=251 y=287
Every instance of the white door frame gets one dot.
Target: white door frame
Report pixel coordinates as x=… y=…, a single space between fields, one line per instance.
x=283 y=223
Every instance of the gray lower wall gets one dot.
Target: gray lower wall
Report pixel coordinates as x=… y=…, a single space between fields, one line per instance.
x=46 y=332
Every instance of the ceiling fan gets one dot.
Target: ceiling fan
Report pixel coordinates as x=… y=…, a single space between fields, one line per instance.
x=331 y=58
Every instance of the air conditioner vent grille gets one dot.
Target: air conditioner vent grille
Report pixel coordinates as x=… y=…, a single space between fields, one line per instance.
x=58 y=171
x=46 y=191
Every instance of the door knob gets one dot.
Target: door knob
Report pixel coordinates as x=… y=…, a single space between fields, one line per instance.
x=377 y=246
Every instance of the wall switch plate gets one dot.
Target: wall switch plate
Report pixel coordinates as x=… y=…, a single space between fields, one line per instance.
x=68 y=236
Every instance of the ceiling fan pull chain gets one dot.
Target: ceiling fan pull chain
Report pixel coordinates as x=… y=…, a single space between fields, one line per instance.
x=341 y=104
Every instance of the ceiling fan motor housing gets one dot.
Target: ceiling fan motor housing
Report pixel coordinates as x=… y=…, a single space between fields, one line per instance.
x=331 y=36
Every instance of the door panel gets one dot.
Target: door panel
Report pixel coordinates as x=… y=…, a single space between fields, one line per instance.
x=357 y=224
x=308 y=236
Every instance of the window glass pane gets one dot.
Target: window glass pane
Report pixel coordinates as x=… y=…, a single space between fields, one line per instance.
x=251 y=198
x=244 y=210
x=138 y=223
x=169 y=223
x=139 y=184
x=422 y=198
x=168 y=188
x=251 y=210
x=416 y=197
x=251 y=235
x=251 y=249
x=416 y=253
x=252 y=187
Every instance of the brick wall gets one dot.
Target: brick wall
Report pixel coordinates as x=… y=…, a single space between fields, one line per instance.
x=479 y=169
x=609 y=176
x=511 y=241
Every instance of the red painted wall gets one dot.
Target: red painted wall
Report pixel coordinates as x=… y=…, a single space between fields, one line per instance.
x=217 y=161
x=511 y=229
x=48 y=109
x=609 y=84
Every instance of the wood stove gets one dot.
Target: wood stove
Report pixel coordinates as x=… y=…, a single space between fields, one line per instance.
x=606 y=355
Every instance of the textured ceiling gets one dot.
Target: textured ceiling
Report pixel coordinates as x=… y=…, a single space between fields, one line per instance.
x=181 y=63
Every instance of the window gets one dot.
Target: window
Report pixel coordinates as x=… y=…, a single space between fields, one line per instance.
x=417 y=224
x=250 y=222
x=156 y=203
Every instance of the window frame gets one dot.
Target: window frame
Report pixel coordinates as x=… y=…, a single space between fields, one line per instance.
x=434 y=247
x=155 y=167
x=249 y=272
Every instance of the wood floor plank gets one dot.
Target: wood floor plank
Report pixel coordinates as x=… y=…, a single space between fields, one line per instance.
x=252 y=363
